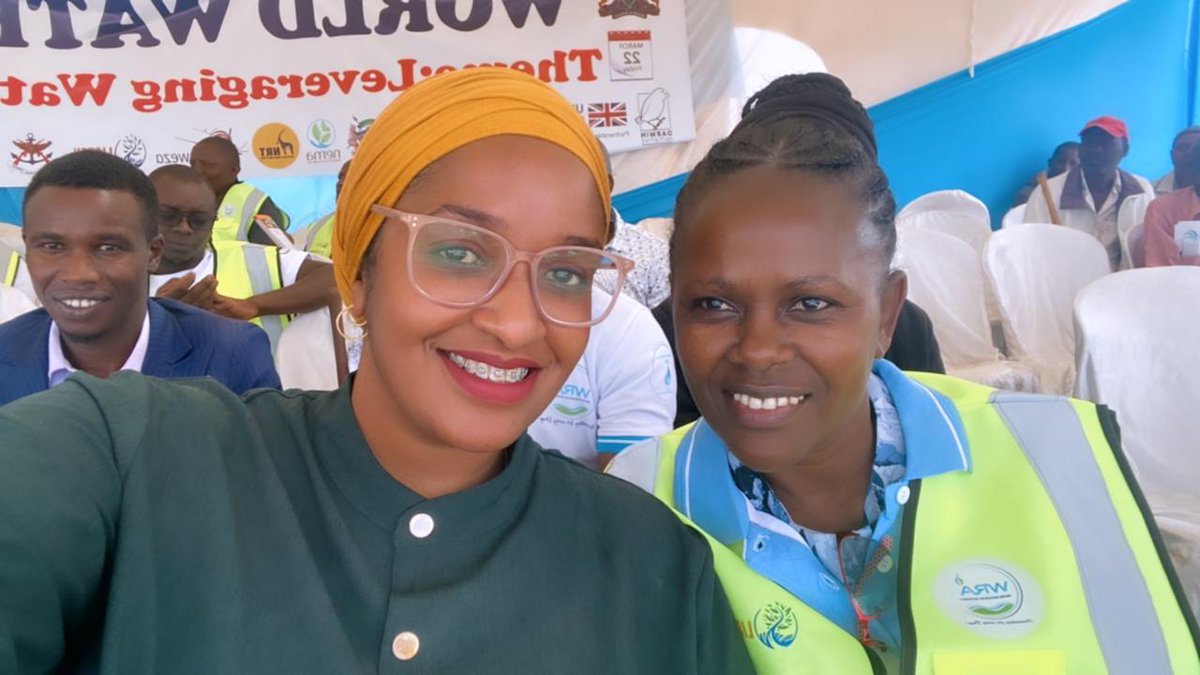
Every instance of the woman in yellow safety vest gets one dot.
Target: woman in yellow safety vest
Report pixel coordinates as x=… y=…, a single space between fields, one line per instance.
x=863 y=519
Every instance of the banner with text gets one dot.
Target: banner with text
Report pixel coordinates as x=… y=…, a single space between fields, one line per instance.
x=296 y=83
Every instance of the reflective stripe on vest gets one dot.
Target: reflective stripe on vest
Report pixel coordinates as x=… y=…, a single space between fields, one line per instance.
x=12 y=263
x=1123 y=612
x=1039 y=561
x=320 y=236
x=244 y=270
x=244 y=201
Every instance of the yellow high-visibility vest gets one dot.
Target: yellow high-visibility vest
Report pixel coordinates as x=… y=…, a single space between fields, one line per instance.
x=1042 y=560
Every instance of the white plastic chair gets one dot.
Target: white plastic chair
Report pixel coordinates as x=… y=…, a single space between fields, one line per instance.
x=1015 y=215
x=964 y=226
x=305 y=356
x=967 y=228
x=958 y=201
x=1036 y=271
x=1137 y=333
x=10 y=235
x=13 y=303
x=946 y=280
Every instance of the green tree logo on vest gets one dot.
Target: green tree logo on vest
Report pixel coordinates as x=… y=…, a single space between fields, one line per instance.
x=776 y=625
x=995 y=598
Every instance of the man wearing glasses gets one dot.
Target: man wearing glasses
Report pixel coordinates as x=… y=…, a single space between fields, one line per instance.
x=237 y=279
x=91 y=240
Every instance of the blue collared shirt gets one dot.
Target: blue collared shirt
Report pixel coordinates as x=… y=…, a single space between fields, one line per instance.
x=706 y=493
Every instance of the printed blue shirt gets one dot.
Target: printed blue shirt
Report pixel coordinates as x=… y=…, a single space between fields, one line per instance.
x=919 y=434
x=888 y=469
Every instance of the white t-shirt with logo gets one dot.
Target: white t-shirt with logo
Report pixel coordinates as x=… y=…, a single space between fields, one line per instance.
x=622 y=391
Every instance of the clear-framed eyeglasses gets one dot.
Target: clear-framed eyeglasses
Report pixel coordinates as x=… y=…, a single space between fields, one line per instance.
x=461 y=265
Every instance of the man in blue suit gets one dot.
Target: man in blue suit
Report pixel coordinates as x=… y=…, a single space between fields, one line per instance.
x=91 y=241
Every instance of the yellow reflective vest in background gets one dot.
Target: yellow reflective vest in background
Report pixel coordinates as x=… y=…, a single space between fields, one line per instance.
x=244 y=270
x=236 y=213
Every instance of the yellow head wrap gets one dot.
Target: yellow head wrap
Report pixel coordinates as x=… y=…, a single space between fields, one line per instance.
x=434 y=118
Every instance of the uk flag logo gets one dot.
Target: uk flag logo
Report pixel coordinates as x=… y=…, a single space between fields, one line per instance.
x=607 y=115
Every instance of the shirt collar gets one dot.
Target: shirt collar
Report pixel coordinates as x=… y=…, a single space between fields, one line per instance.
x=1110 y=201
x=935 y=441
x=930 y=417
x=60 y=367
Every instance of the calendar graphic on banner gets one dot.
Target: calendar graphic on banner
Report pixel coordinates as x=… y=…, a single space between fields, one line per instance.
x=629 y=55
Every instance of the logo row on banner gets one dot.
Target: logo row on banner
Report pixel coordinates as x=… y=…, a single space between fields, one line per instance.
x=149 y=98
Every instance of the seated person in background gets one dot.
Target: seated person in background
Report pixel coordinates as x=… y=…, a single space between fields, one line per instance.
x=649 y=282
x=237 y=279
x=246 y=213
x=865 y=520
x=91 y=239
x=1168 y=239
x=914 y=348
x=320 y=233
x=1180 y=176
x=1089 y=198
x=1064 y=158
x=622 y=391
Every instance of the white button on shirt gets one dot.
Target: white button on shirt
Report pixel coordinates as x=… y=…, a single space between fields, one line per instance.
x=421 y=525
x=60 y=368
x=406 y=645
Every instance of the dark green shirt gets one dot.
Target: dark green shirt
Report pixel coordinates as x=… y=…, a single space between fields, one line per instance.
x=172 y=527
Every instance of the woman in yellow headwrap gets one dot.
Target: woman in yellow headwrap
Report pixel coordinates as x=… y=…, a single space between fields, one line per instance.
x=404 y=523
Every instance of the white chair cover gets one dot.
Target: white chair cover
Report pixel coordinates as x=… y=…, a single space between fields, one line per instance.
x=1130 y=218
x=945 y=279
x=1015 y=215
x=957 y=201
x=1037 y=270
x=13 y=303
x=305 y=355
x=966 y=227
x=10 y=235
x=1137 y=333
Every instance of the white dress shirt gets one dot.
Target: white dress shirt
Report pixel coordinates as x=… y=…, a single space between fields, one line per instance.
x=60 y=368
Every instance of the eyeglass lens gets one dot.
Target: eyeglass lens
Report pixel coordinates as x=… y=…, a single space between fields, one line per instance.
x=460 y=265
x=196 y=220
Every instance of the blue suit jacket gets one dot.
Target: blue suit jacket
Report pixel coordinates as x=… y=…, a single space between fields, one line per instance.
x=184 y=342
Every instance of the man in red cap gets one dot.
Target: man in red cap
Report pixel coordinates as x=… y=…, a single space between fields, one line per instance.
x=1091 y=196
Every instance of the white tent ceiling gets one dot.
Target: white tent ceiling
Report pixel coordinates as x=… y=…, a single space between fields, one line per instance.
x=881 y=50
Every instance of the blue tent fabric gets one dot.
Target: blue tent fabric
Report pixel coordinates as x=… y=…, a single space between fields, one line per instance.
x=649 y=201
